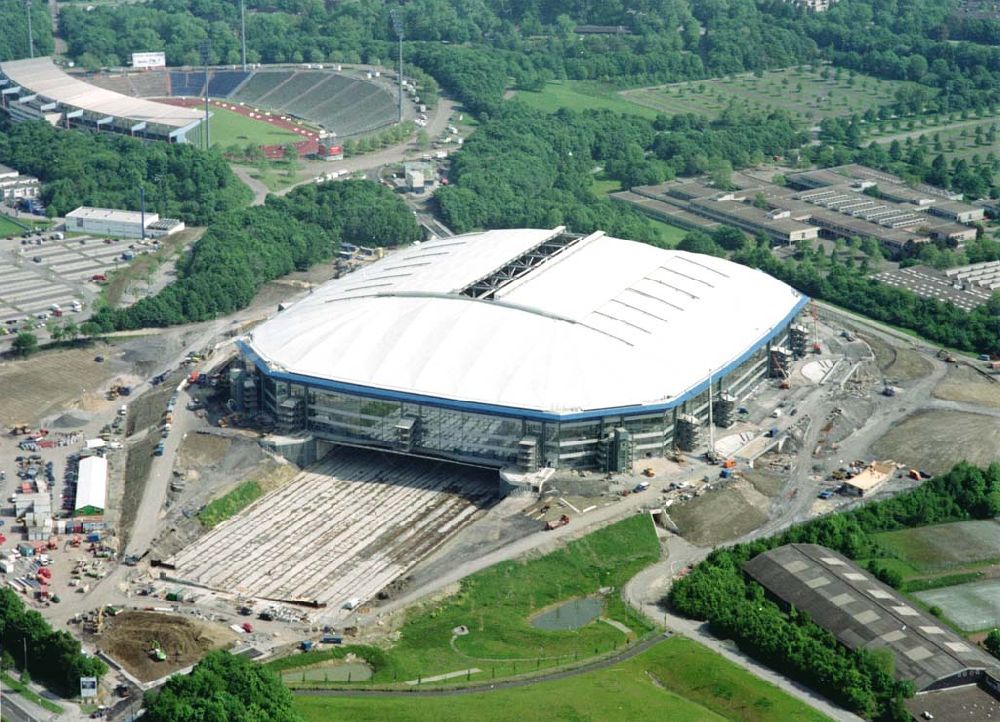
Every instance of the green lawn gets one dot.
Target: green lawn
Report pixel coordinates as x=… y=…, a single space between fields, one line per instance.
x=669 y=235
x=217 y=511
x=497 y=603
x=227 y=128
x=677 y=680
x=581 y=95
x=9 y=228
x=805 y=94
x=944 y=547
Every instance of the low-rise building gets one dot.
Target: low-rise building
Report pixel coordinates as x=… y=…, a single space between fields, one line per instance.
x=871 y=479
x=15 y=185
x=121 y=224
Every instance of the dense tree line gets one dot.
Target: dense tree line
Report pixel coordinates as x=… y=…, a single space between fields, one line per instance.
x=105 y=170
x=523 y=167
x=737 y=608
x=222 y=688
x=244 y=249
x=840 y=284
x=54 y=658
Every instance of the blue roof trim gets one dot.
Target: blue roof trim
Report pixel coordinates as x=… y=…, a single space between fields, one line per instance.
x=509 y=411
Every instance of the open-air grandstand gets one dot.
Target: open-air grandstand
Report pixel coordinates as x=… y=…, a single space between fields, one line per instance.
x=337 y=102
x=36 y=89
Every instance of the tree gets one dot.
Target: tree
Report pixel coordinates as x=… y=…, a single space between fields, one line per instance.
x=992 y=642
x=25 y=344
x=222 y=688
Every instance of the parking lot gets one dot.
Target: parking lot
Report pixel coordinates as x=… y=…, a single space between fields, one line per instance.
x=46 y=275
x=931 y=283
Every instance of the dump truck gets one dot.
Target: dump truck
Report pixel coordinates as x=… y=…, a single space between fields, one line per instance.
x=556 y=523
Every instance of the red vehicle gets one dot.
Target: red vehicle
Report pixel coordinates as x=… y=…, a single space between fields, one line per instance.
x=99 y=277
x=556 y=523
x=247 y=627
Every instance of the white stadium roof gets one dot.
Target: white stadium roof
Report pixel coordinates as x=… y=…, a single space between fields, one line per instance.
x=42 y=77
x=598 y=324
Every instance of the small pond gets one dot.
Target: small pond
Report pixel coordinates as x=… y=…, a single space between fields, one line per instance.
x=570 y=615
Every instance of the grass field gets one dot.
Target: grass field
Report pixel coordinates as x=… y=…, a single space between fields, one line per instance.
x=8 y=227
x=971 y=607
x=497 y=603
x=945 y=547
x=677 y=680
x=582 y=95
x=805 y=94
x=227 y=128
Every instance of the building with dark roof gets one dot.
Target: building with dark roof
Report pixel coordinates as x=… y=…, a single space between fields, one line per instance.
x=863 y=613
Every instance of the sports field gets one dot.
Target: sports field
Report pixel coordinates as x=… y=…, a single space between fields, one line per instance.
x=945 y=547
x=227 y=128
x=805 y=93
x=971 y=607
x=676 y=680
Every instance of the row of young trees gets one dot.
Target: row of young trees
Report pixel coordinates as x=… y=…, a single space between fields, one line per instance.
x=242 y=250
x=106 y=170
x=52 y=657
x=737 y=608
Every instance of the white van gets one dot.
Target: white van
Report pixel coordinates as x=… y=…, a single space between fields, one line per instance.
x=352 y=603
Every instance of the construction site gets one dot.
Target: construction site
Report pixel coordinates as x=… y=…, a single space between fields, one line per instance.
x=845 y=413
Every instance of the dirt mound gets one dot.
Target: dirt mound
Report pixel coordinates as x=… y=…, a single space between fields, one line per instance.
x=130 y=636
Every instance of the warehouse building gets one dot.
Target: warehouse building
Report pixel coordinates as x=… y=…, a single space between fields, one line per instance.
x=521 y=348
x=863 y=613
x=120 y=224
x=37 y=89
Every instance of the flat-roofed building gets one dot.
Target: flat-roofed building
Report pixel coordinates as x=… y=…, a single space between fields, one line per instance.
x=119 y=223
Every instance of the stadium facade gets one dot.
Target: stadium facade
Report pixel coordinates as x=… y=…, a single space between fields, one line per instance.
x=37 y=89
x=519 y=348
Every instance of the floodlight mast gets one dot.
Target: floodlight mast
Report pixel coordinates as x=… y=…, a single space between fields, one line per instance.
x=397 y=26
x=243 y=32
x=205 y=48
x=31 y=37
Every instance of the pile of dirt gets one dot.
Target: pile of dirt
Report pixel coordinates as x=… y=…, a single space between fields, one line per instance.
x=935 y=440
x=966 y=385
x=722 y=514
x=898 y=364
x=129 y=637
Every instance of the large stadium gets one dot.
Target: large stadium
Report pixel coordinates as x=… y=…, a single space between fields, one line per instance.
x=154 y=103
x=519 y=348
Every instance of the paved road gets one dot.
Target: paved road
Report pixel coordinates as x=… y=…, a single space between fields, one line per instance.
x=628 y=653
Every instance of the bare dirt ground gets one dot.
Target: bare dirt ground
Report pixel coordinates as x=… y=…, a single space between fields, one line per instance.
x=724 y=514
x=896 y=362
x=203 y=450
x=129 y=637
x=936 y=440
x=55 y=380
x=968 y=386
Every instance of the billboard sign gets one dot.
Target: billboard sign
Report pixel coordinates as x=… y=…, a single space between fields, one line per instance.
x=149 y=60
x=88 y=687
